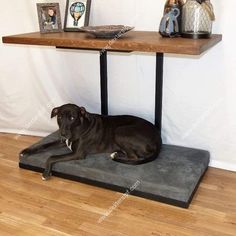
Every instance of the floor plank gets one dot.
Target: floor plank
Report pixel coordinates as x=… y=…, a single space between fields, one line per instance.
x=29 y=206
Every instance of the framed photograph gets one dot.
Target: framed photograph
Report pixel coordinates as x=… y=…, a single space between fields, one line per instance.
x=49 y=17
x=77 y=14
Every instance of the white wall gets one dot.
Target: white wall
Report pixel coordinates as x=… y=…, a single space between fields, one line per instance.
x=199 y=92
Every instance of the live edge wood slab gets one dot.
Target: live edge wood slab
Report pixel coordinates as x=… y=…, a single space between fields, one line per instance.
x=141 y=41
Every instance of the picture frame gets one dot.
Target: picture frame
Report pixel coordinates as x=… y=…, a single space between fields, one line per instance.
x=49 y=17
x=77 y=14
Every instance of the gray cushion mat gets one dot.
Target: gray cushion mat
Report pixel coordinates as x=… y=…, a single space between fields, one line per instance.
x=172 y=178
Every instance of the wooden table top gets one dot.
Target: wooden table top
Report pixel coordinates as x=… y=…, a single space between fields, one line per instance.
x=141 y=41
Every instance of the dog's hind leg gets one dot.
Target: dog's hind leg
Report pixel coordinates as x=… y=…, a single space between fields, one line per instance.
x=124 y=155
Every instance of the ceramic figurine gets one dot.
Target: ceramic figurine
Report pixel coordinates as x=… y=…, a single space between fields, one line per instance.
x=170 y=25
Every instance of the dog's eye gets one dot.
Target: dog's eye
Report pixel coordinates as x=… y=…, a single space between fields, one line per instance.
x=72 y=118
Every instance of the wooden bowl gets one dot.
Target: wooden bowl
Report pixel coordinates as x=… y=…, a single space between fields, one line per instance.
x=107 y=31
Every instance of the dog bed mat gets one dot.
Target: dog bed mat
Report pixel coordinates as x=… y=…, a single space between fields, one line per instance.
x=172 y=178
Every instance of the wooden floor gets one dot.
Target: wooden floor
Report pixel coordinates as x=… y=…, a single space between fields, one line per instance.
x=29 y=206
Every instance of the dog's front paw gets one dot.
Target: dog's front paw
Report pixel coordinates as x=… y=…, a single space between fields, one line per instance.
x=46 y=175
x=26 y=152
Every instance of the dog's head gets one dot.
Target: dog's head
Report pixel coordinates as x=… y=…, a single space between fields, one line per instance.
x=69 y=117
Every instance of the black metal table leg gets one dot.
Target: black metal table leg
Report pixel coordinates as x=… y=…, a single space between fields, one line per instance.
x=103 y=83
x=159 y=86
x=159 y=90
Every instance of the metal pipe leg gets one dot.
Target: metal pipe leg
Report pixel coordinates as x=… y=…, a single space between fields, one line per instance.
x=159 y=90
x=103 y=83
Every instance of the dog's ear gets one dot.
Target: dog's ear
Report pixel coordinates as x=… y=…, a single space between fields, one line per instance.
x=54 y=112
x=83 y=111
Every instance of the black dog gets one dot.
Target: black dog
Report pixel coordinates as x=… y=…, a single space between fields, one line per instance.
x=127 y=139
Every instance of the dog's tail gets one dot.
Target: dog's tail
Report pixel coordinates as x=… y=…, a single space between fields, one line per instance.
x=138 y=161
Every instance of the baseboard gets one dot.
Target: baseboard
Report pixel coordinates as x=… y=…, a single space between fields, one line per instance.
x=19 y=132
x=223 y=165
